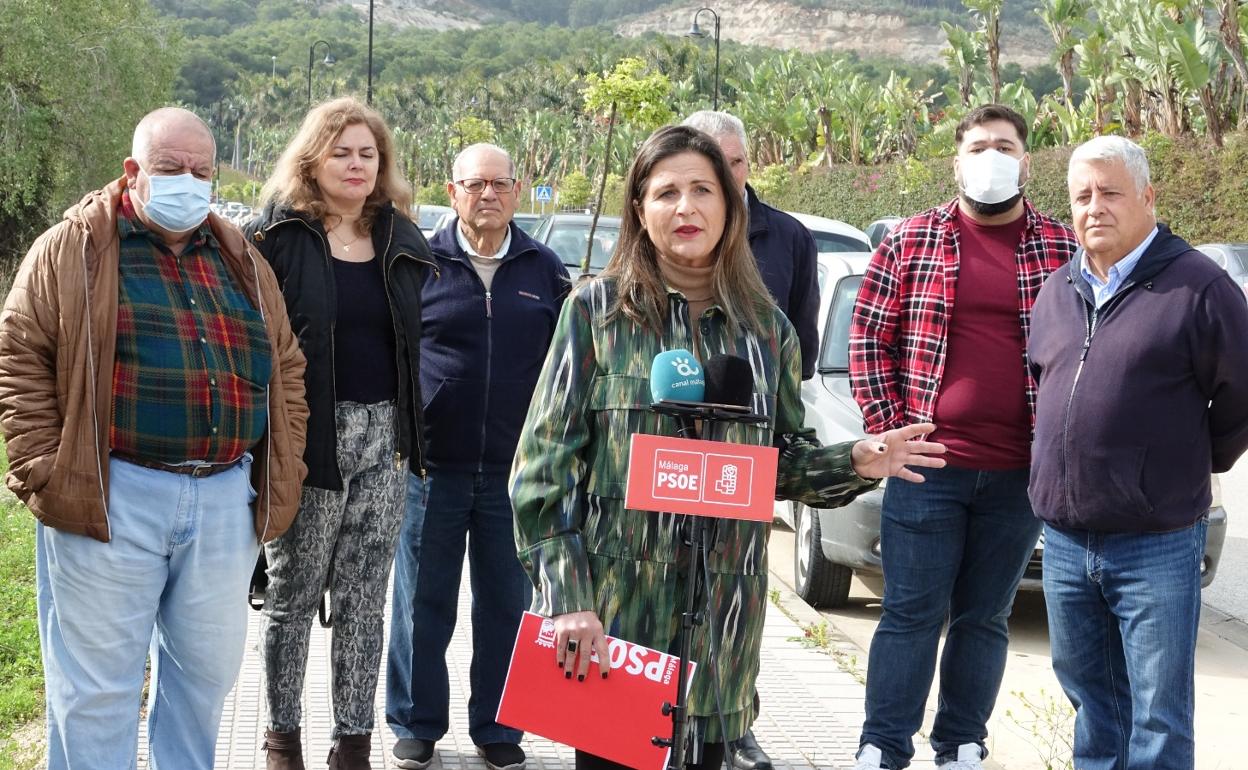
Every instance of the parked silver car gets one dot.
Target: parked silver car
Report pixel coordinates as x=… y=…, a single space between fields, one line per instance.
x=831 y=545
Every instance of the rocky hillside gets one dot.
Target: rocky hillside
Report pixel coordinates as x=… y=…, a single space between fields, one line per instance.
x=424 y=14
x=773 y=23
x=781 y=24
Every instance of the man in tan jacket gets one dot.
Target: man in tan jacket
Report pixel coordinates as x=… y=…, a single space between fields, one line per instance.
x=151 y=397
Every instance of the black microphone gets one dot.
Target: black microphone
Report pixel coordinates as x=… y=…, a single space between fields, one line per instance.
x=729 y=381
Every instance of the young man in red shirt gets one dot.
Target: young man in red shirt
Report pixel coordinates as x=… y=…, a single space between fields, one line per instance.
x=939 y=335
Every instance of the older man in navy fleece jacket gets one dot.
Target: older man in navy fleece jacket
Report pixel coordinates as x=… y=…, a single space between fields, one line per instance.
x=1139 y=348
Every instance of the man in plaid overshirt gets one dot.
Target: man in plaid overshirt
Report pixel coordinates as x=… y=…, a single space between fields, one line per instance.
x=939 y=334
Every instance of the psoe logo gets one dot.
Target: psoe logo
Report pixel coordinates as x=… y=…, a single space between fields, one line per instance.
x=685 y=367
x=546 y=636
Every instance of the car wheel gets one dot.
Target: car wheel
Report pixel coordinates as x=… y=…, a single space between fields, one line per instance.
x=820 y=582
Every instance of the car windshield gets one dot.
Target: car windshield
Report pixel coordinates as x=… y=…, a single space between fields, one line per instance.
x=838 y=243
x=835 y=353
x=568 y=240
x=1241 y=253
x=527 y=223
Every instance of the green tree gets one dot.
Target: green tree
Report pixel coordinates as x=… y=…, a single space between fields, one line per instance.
x=574 y=190
x=73 y=84
x=632 y=94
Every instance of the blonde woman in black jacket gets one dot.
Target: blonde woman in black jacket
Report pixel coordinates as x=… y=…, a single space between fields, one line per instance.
x=350 y=262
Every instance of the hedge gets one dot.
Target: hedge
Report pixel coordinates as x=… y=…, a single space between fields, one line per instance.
x=1202 y=192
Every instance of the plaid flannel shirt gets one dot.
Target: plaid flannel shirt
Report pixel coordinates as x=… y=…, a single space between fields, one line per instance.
x=191 y=377
x=900 y=322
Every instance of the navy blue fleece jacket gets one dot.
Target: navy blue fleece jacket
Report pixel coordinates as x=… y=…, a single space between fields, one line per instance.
x=1142 y=399
x=481 y=352
x=786 y=256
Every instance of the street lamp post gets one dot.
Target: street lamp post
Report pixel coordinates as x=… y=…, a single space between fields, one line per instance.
x=369 y=96
x=328 y=62
x=696 y=31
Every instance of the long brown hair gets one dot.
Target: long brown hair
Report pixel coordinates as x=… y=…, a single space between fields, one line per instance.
x=294 y=179
x=641 y=291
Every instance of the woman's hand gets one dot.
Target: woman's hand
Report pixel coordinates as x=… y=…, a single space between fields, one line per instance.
x=577 y=634
x=888 y=453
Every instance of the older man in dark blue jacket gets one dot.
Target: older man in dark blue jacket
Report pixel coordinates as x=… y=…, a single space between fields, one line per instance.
x=783 y=247
x=1138 y=346
x=489 y=314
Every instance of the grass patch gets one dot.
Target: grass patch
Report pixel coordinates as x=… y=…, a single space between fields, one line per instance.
x=21 y=671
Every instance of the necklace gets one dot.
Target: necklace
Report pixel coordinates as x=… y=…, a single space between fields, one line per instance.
x=346 y=245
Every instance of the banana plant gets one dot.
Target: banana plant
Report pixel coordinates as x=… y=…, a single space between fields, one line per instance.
x=963 y=55
x=1061 y=18
x=1197 y=55
x=1097 y=58
x=987 y=14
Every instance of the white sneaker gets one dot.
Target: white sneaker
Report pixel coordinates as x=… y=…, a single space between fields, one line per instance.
x=969 y=757
x=869 y=758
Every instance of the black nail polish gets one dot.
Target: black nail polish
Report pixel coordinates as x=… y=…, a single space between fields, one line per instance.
x=604 y=674
x=567 y=674
x=580 y=677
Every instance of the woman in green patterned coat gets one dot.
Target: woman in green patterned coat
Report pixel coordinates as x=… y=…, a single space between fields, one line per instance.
x=682 y=277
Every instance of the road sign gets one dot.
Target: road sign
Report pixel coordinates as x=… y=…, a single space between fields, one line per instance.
x=544 y=193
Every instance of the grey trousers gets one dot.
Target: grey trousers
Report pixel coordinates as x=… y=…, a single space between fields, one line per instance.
x=351 y=535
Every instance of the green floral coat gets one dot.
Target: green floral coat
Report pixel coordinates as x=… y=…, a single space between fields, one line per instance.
x=585 y=551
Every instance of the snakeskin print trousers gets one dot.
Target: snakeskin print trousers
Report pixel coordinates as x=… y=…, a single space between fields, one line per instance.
x=349 y=537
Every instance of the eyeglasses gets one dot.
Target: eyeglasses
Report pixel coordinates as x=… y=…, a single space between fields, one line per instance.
x=477 y=186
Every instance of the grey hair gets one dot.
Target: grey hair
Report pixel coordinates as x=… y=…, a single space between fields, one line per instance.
x=161 y=118
x=717 y=124
x=1104 y=149
x=473 y=149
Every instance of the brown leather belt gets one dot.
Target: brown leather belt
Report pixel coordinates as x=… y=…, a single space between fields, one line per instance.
x=197 y=470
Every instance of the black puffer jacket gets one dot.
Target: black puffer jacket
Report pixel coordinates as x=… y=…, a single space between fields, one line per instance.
x=296 y=246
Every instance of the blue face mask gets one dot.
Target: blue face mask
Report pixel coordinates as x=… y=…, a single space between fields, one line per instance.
x=177 y=203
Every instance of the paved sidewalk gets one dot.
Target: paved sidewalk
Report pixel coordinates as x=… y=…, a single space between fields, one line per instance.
x=812 y=709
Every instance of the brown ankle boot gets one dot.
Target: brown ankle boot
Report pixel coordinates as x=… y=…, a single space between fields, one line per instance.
x=350 y=752
x=284 y=751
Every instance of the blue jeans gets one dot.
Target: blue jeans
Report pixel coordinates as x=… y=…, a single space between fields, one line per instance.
x=1123 y=615
x=443 y=512
x=952 y=547
x=174 y=578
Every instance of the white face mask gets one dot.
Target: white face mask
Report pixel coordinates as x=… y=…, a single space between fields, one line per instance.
x=989 y=176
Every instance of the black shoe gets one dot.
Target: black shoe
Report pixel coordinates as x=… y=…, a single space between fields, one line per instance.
x=502 y=756
x=746 y=754
x=413 y=753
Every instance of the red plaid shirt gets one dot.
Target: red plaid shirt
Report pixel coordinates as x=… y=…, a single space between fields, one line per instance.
x=901 y=318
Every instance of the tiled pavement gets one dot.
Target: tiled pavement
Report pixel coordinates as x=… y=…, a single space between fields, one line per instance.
x=812 y=709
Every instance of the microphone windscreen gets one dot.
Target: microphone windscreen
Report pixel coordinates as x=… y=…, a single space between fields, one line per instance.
x=675 y=375
x=729 y=380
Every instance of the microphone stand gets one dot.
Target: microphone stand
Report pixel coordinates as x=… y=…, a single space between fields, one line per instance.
x=697 y=535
